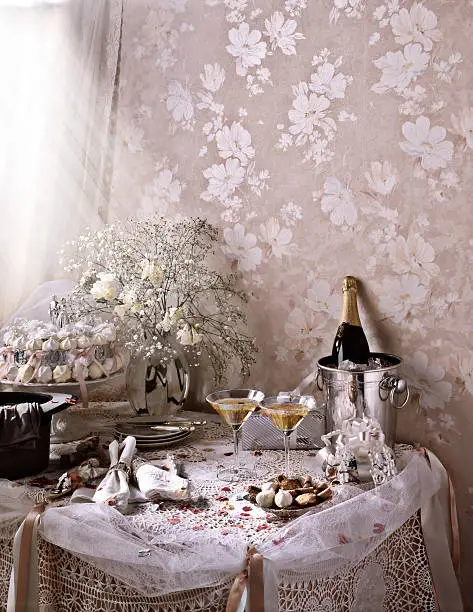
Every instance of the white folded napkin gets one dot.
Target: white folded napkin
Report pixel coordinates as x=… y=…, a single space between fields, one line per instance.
x=83 y=495
x=114 y=489
x=156 y=483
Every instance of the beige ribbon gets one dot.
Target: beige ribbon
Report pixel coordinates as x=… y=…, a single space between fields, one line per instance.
x=443 y=552
x=252 y=579
x=26 y=562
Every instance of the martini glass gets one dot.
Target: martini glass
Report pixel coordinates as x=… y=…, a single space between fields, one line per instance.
x=235 y=406
x=286 y=412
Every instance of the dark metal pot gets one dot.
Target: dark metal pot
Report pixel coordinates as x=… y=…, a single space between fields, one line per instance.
x=24 y=446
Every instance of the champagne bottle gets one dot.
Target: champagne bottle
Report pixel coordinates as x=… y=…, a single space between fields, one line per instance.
x=350 y=341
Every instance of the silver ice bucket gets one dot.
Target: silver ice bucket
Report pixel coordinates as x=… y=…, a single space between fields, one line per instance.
x=376 y=393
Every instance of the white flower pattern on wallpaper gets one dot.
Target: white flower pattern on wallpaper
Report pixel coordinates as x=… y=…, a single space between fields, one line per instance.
x=413 y=255
x=282 y=33
x=400 y=68
x=179 y=103
x=278 y=239
x=401 y=298
x=235 y=141
x=224 y=178
x=463 y=125
x=428 y=379
x=418 y=24
x=312 y=124
x=247 y=48
x=394 y=209
x=382 y=178
x=350 y=8
x=427 y=143
x=164 y=190
x=339 y=201
x=240 y=247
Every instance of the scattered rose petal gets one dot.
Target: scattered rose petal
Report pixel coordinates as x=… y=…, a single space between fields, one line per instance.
x=247 y=508
x=174 y=520
x=261 y=527
x=342 y=539
x=198 y=527
x=378 y=528
x=225 y=489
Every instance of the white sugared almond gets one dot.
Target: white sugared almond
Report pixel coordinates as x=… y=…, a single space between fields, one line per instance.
x=265 y=499
x=283 y=499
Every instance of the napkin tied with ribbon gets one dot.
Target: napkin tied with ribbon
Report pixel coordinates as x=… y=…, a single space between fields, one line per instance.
x=114 y=489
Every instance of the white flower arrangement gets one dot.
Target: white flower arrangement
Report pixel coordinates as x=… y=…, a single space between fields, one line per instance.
x=153 y=278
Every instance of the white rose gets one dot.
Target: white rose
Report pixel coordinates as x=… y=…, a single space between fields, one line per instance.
x=106 y=288
x=151 y=270
x=188 y=336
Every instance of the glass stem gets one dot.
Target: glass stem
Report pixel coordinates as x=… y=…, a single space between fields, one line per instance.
x=236 y=457
x=286 y=452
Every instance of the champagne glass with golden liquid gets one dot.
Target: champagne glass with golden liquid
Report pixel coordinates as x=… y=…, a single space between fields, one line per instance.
x=286 y=412
x=235 y=406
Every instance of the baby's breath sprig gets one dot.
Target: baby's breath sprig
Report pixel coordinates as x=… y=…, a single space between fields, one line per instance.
x=155 y=279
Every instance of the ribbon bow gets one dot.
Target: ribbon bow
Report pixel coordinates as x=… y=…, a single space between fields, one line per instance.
x=251 y=580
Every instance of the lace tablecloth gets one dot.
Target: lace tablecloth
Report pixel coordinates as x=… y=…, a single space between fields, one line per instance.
x=399 y=566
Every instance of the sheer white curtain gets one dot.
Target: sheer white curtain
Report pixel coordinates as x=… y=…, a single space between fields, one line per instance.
x=58 y=87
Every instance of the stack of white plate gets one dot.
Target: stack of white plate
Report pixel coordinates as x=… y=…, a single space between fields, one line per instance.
x=151 y=435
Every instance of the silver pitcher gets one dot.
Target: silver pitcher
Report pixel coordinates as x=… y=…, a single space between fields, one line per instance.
x=375 y=393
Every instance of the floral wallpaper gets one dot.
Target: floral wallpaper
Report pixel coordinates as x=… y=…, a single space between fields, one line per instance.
x=325 y=138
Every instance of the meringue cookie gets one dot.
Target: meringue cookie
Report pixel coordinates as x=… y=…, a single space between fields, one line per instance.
x=8 y=337
x=50 y=345
x=62 y=373
x=80 y=372
x=99 y=340
x=108 y=332
x=83 y=342
x=44 y=374
x=34 y=344
x=95 y=371
x=25 y=373
x=68 y=343
x=11 y=373
x=109 y=365
x=19 y=341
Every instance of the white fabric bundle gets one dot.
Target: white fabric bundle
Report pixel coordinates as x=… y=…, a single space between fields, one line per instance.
x=114 y=489
x=156 y=483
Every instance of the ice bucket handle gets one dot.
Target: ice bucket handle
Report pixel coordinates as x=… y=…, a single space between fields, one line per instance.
x=394 y=387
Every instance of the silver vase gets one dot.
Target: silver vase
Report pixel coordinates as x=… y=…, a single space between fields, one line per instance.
x=158 y=387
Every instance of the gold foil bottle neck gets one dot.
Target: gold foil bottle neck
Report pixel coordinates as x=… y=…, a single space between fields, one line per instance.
x=349 y=306
x=349 y=283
